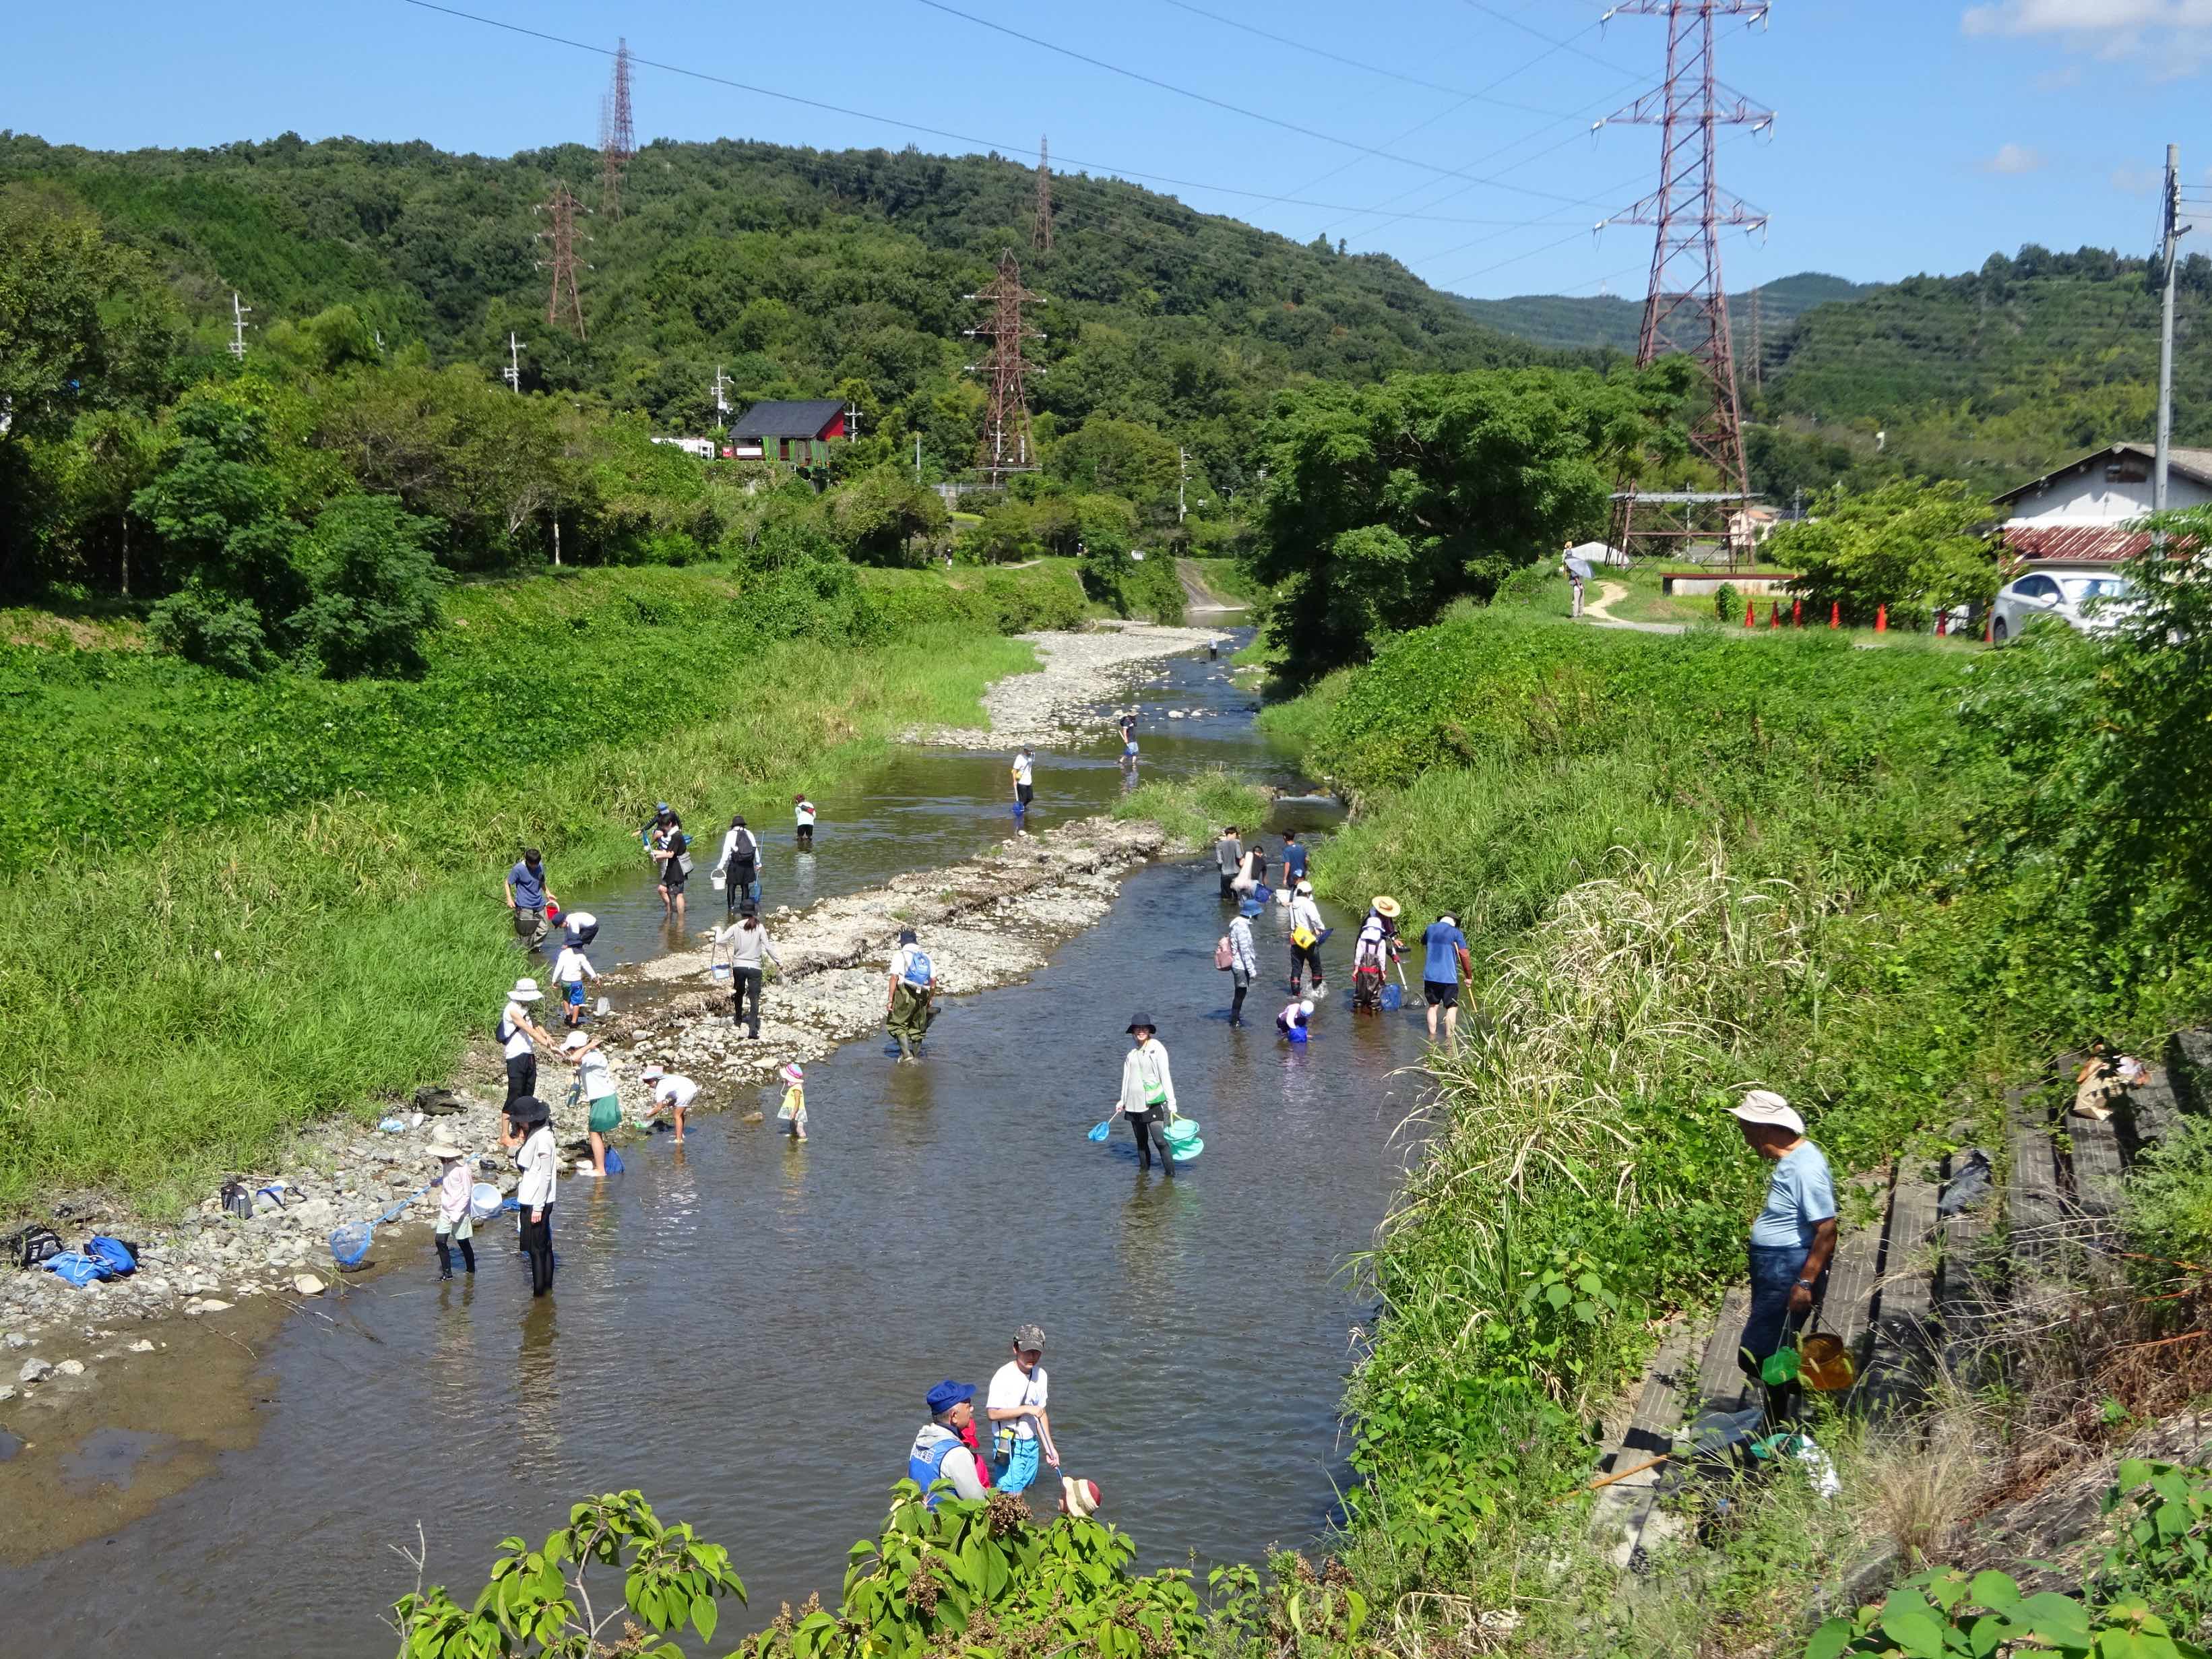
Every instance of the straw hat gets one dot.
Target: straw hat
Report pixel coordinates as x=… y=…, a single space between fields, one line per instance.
x=1386 y=906
x=1080 y=1498
x=525 y=990
x=794 y=1073
x=443 y=1148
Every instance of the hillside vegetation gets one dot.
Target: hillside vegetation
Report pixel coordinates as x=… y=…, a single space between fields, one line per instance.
x=1610 y=322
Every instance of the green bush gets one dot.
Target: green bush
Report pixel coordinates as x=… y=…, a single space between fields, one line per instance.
x=1724 y=598
x=1917 y=547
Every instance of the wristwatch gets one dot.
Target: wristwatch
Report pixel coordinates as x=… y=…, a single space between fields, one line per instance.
x=1807 y=1283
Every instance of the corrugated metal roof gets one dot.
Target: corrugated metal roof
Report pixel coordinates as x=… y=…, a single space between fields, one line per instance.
x=2191 y=462
x=2084 y=544
x=788 y=420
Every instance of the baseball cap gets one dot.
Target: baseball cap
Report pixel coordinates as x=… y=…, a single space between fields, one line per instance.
x=947 y=1394
x=1030 y=1338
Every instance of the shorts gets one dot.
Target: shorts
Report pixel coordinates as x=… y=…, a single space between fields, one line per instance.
x=1437 y=994
x=606 y=1116
x=1024 y=793
x=466 y=1228
x=575 y=993
x=1021 y=1467
x=673 y=876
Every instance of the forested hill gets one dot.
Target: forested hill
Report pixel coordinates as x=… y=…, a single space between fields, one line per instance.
x=797 y=271
x=1994 y=376
x=1608 y=322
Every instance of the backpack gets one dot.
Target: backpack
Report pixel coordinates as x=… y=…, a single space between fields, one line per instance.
x=436 y=1102
x=74 y=1267
x=744 y=852
x=237 y=1199
x=119 y=1258
x=1225 y=955
x=918 y=972
x=34 y=1246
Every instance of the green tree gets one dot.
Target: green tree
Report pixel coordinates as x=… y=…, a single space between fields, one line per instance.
x=884 y=517
x=1385 y=503
x=121 y=450
x=1117 y=457
x=1915 y=547
x=374 y=588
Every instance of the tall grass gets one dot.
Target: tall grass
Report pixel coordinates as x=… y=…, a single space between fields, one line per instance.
x=1192 y=811
x=174 y=1010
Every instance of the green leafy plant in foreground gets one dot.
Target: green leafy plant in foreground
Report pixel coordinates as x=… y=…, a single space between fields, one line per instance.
x=1939 y=1615
x=2162 y=1552
x=538 y=1601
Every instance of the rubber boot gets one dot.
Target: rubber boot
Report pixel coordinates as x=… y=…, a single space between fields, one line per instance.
x=468 y=1256
x=445 y=1259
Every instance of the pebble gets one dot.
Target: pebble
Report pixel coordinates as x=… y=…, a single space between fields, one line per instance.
x=7 y=1390
x=142 y=1346
x=70 y=1367
x=307 y=1285
x=34 y=1370
x=17 y=1340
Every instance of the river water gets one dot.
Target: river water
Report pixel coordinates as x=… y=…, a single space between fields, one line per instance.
x=743 y=1328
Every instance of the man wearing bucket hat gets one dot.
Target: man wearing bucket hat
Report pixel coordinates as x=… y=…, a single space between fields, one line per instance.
x=908 y=1014
x=1015 y=1407
x=1147 y=1095
x=940 y=1452
x=517 y=1031
x=1306 y=935
x=1792 y=1239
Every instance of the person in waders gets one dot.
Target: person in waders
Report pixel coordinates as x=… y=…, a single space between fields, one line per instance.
x=1147 y=1097
x=941 y=1450
x=1229 y=860
x=908 y=1012
x=802 y=810
x=526 y=896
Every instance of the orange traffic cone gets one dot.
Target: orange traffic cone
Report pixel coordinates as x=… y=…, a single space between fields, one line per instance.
x=1881 y=619
x=1941 y=618
x=1835 y=613
x=1796 y=613
x=1774 y=615
x=1747 y=609
x=1986 y=621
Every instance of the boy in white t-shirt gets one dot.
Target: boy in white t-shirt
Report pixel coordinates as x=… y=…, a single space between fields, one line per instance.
x=1016 y=1404
x=802 y=810
x=668 y=1088
x=570 y=970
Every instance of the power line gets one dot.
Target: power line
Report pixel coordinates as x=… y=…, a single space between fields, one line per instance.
x=1460 y=93
x=1567 y=45
x=993 y=145
x=1303 y=132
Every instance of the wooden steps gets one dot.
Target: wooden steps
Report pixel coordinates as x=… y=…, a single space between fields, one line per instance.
x=1631 y=1504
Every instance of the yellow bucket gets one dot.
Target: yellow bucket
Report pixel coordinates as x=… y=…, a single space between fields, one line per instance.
x=1824 y=1364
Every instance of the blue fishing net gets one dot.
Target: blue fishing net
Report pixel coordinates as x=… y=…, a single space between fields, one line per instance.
x=349 y=1243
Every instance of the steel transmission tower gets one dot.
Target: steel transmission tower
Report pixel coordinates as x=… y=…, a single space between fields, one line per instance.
x=1005 y=447
x=1685 y=306
x=561 y=294
x=1042 y=238
x=617 y=135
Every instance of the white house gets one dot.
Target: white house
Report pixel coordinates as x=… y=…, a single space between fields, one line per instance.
x=2076 y=514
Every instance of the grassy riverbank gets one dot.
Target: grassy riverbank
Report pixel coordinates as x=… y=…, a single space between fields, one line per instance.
x=1685 y=865
x=312 y=932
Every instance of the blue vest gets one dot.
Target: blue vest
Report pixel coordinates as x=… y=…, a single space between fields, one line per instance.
x=924 y=1467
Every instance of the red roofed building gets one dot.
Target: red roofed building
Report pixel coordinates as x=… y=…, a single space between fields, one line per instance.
x=2079 y=514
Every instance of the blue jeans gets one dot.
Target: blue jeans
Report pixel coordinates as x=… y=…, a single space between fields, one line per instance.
x=1774 y=1272
x=1021 y=1468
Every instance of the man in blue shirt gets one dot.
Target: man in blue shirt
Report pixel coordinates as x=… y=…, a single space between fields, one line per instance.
x=525 y=896
x=1447 y=961
x=1792 y=1240
x=1294 y=860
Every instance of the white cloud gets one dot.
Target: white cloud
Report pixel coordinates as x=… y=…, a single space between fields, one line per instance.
x=2173 y=38
x=2014 y=159
x=2082 y=16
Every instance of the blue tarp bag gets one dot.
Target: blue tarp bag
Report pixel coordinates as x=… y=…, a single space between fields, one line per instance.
x=614 y=1162
x=75 y=1267
x=114 y=1255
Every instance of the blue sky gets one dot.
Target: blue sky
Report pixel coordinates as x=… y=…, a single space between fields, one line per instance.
x=1911 y=135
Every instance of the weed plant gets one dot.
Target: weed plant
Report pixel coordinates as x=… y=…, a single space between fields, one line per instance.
x=1193 y=810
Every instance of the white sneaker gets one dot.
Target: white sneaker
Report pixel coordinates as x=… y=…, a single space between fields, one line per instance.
x=588 y=1173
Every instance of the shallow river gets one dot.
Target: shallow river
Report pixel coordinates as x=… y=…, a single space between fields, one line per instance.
x=744 y=1328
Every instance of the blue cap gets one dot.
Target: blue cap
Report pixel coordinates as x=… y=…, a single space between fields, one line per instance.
x=947 y=1394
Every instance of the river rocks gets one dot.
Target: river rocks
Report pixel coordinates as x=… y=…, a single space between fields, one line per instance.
x=307 y=1285
x=1078 y=672
x=34 y=1370
x=142 y=1346
x=70 y=1367
x=17 y=1340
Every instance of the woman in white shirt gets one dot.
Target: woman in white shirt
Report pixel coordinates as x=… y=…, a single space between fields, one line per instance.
x=1243 y=964
x=539 y=1160
x=669 y=1089
x=595 y=1082
x=516 y=1032
x=1148 y=1096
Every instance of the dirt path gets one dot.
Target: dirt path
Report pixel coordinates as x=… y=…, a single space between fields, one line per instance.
x=1598 y=613
x=1199 y=596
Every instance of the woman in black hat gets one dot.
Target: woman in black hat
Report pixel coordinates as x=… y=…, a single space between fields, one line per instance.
x=1148 y=1096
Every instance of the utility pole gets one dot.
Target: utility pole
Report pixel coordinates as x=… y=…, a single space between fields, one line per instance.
x=1006 y=446
x=1686 y=304
x=2171 y=232
x=1041 y=237
x=1183 y=479
x=561 y=210
x=917 y=457
x=512 y=372
x=617 y=135
x=721 y=399
x=239 y=313
x=852 y=419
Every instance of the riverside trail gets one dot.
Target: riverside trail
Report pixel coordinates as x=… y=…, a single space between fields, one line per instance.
x=742 y=1328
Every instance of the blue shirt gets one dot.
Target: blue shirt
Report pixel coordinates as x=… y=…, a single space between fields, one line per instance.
x=1800 y=1195
x=1444 y=943
x=1294 y=861
x=528 y=888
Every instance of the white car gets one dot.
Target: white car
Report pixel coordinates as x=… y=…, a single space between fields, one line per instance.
x=2066 y=595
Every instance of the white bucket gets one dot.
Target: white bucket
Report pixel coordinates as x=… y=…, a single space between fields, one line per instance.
x=720 y=971
x=719 y=880
x=483 y=1200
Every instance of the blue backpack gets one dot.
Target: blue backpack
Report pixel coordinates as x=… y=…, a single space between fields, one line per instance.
x=918 y=971
x=113 y=1253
